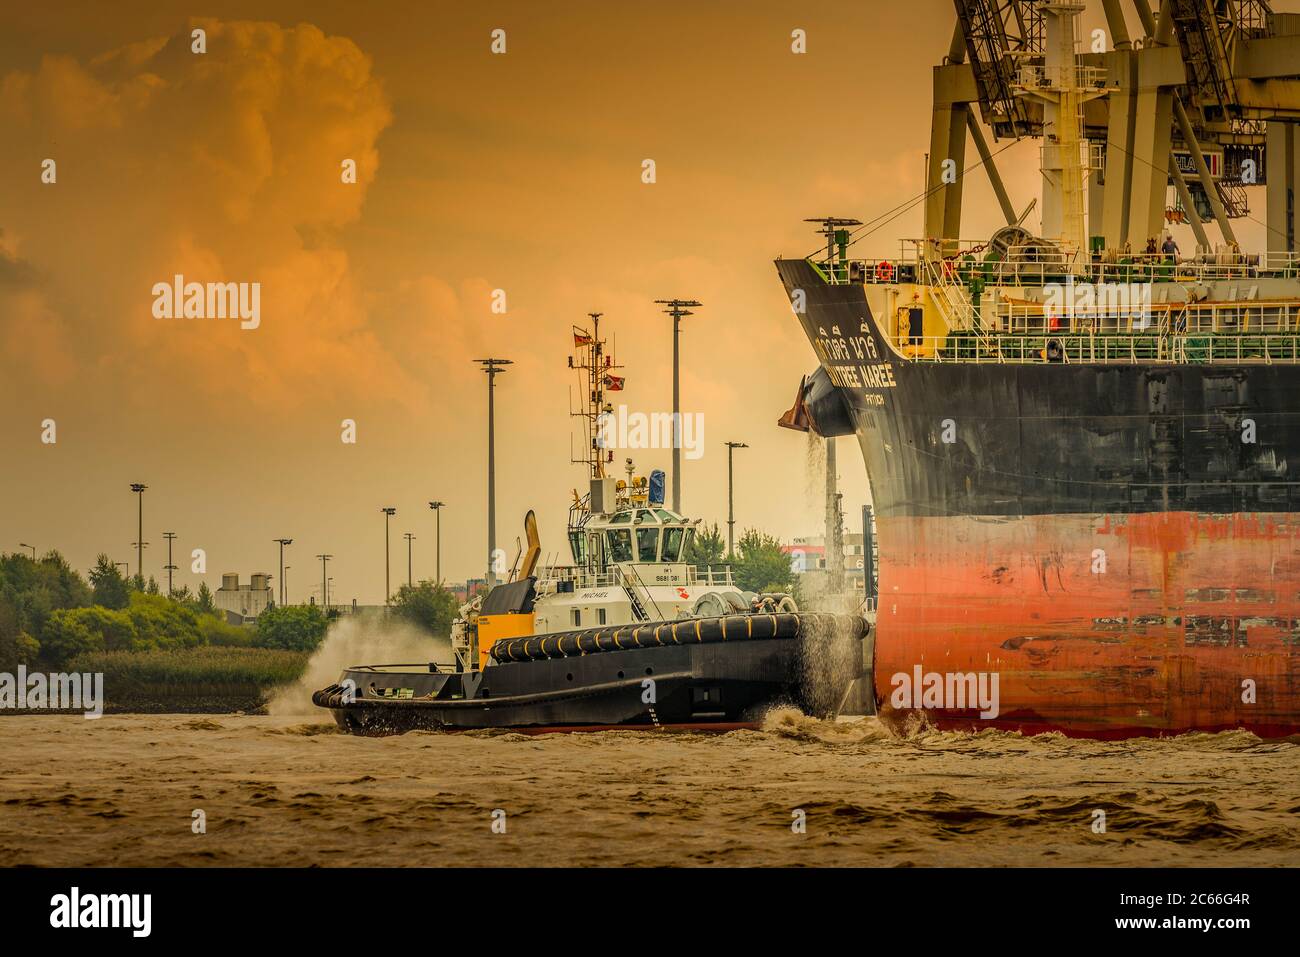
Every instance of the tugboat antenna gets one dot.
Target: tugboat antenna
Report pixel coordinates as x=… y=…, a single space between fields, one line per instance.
x=595 y=365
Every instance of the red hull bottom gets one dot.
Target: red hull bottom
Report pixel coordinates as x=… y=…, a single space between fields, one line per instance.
x=1093 y=625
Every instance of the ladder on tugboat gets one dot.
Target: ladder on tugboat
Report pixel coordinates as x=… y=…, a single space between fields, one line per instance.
x=629 y=586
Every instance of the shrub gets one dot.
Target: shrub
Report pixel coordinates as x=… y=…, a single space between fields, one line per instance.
x=66 y=635
x=162 y=623
x=292 y=627
x=220 y=633
x=18 y=649
x=426 y=606
x=212 y=680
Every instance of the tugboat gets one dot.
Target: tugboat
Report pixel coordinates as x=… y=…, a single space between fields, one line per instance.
x=631 y=634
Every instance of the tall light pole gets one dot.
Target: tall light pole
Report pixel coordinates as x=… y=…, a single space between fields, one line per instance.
x=324 y=586
x=677 y=308
x=284 y=584
x=32 y=547
x=834 y=522
x=409 y=538
x=283 y=542
x=171 y=537
x=139 y=540
x=731 y=502
x=389 y=512
x=493 y=368
x=437 y=519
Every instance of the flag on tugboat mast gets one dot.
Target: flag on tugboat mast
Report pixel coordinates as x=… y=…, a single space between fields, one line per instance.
x=614 y=383
x=581 y=337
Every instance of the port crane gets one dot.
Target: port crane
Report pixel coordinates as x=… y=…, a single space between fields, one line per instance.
x=1204 y=94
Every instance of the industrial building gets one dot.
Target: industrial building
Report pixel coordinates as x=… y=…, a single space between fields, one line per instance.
x=242 y=604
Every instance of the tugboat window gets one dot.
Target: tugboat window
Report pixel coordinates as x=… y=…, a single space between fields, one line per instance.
x=577 y=616
x=578 y=543
x=647 y=544
x=672 y=544
x=620 y=545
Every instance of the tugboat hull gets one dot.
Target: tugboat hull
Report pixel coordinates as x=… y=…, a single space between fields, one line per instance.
x=705 y=685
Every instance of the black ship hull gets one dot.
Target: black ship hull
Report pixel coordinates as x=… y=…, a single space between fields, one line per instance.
x=1119 y=544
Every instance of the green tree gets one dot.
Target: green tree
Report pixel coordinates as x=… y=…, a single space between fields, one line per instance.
x=67 y=636
x=292 y=627
x=162 y=623
x=16 y=646
x=152 y=587
x=708 y=546
x=206 y=604
x=428 y=606
x=108 y=586
x=34 y=589
x=19 y=649
x=761 y=565
x=114 y=630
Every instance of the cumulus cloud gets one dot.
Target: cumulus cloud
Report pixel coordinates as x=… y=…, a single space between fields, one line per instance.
x=223 y=166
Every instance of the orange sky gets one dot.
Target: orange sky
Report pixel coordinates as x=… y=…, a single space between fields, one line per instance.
x=477 y=172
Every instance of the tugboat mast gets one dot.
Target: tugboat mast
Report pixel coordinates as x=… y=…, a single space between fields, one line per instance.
x=596 y=367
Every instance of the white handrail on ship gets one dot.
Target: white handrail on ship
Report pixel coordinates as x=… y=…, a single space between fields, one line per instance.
x=1260 y=349
x=583 y=577
x=1137 y=267
x=1225 y=317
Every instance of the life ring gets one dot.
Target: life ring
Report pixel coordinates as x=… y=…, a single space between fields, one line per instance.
x=884 y=271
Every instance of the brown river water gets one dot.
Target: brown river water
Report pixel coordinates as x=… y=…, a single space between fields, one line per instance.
x=288 y=790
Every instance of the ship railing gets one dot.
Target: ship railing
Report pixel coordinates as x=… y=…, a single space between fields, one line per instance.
x=1136 y=314
x=1068 y=77
x=581 y=577
x=710 y=575
x=615 y=576
x=959 y=263
x=1283 y=263
x=1153 y=348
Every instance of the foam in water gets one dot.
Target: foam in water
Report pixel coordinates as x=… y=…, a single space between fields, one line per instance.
x=365 y=639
